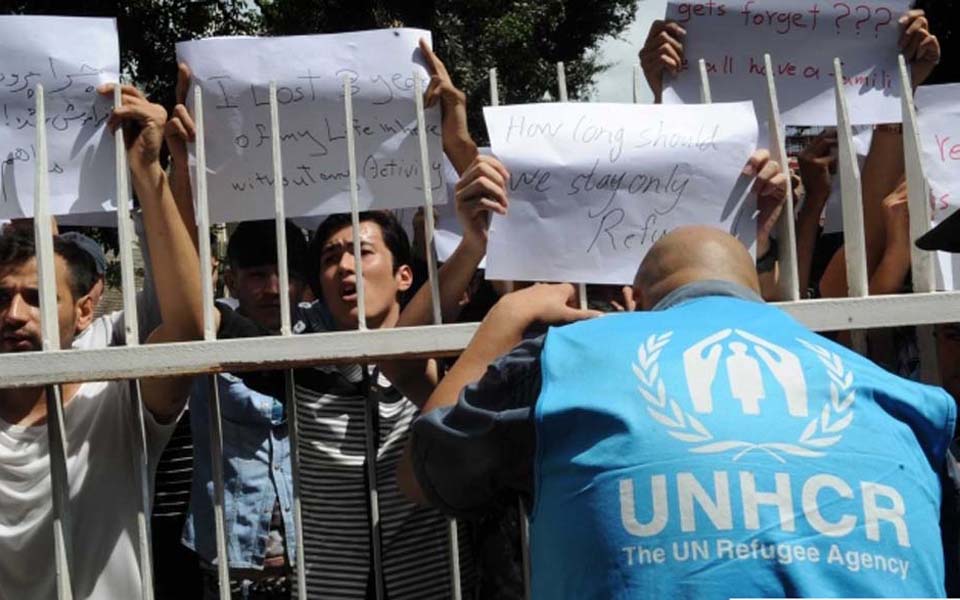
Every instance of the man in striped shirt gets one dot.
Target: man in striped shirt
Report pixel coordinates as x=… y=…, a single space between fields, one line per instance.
x=339 y=435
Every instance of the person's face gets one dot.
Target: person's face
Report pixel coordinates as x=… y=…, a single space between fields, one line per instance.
x=20 y=307
x=948 y=353
x=257 y=289
x=338 y=278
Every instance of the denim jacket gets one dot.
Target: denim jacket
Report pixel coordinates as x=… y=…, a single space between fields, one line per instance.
x=257 y=473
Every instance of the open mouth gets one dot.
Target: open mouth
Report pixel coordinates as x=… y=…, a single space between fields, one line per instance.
x=348 y=292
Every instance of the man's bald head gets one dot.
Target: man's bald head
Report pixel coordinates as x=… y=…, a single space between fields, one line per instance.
x=690 y=254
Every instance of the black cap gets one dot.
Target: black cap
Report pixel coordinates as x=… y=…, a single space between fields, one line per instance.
x=90 y=246
x=945 y=236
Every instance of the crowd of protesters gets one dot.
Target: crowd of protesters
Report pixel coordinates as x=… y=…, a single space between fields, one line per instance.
x=471 y=459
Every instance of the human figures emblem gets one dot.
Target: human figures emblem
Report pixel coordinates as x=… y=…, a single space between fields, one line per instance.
x=701 y=369
x=744 y=372
x=745 y=378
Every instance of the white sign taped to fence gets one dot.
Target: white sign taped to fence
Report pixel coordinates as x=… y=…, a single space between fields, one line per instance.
x=70 y=57
x=802 y=37
x=235 y=75
x=938 y=115
x=593 y=186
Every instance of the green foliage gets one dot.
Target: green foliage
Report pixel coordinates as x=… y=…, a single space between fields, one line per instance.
x=524 y=39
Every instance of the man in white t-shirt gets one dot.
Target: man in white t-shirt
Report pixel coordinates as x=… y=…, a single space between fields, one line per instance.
x=101 y=465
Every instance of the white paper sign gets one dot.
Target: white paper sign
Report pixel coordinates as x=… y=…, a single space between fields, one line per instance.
x=938 y=113
x=593 y=186
x=802 y=37
x=70 y=57
x=235 y=73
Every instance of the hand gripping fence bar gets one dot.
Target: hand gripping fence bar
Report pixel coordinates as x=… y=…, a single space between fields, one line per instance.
x=50 y=333
x=132 y=338
x=283 y=270
x=209 y=334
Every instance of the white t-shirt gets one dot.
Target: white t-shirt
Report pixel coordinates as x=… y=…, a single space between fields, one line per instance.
x=104 y=499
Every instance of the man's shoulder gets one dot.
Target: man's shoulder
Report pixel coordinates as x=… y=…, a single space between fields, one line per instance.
x=312 y=317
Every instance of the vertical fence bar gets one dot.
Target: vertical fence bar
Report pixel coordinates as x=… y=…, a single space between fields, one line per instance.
x=50 y=333
x=453 y=535
x=851 y=196
x=706 y=96
x=354 y=199
x=564 y=97
x=922 y=271
x=283 y=271
x=521 y=508
x=495 y=101
x=637 y=83
x=371 y=406
x=131 y=334
x=216 y=425
x=789 y=277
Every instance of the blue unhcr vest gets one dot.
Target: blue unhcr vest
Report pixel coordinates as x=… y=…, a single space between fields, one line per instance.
x=719 y=449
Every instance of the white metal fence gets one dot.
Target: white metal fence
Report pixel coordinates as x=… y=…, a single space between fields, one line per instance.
x=53 y=366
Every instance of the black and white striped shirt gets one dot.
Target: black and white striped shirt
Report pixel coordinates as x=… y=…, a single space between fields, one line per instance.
x=334 y=488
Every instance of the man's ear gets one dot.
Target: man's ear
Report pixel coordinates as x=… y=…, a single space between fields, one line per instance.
x=404 y=278
x=83 y=312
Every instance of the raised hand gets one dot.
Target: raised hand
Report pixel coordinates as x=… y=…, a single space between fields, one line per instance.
x=920 y=47
x=457 y=142
x=142 y=123
x=481 y=190
x=180 y=128
x=663 y=51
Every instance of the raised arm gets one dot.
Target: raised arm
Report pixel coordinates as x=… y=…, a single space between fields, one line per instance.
x=481 y=191
x=176 y=268
x=501 y=330
x=458 y=145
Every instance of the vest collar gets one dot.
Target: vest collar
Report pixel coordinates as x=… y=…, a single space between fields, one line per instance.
x=701 y=289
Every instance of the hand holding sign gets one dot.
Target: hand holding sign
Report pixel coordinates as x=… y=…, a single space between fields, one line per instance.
x=458 y=145
x=920 y=47
x=662 y=52
x=482 y=190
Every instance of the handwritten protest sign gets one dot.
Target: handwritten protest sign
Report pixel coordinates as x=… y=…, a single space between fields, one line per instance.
x=593 y=186
x=69 y=57
x=938 y=114
x=235 y=73
x=802 y=37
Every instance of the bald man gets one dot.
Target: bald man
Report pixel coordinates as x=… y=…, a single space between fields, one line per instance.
x=707 y=447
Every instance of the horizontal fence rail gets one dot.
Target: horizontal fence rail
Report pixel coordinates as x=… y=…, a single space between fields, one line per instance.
x=278 y=352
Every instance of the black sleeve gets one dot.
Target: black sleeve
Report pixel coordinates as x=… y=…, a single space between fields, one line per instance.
x=950 y=521
x=469 y=456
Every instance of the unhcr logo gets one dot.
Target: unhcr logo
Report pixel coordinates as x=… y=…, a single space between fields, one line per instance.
x=745 y=357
